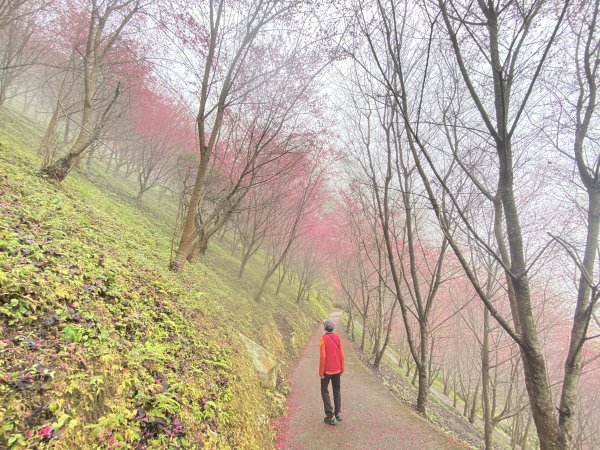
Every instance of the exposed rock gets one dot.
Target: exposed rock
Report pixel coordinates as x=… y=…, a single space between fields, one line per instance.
x=267 y=365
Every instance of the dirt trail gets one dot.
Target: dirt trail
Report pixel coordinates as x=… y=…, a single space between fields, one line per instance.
x=373 y=417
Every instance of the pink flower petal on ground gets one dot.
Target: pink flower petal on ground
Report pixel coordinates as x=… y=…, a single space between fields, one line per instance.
x=46 y=432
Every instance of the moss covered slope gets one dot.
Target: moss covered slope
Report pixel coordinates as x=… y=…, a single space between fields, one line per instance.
x=103 y=347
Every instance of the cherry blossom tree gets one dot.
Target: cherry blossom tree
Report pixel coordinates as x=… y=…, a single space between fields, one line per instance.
x=242 y=62
x=293 y=219
x=164 y=131
x=106 y=23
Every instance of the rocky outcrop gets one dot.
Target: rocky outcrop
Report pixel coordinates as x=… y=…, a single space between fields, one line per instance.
x=266 y=364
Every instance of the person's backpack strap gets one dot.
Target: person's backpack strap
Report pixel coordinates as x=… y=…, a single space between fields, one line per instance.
x=333 y=340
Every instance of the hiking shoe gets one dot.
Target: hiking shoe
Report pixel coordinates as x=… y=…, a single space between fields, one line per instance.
x=330 y=420
x=338 y=417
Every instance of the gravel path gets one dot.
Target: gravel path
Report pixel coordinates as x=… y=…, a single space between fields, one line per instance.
x=373 y=417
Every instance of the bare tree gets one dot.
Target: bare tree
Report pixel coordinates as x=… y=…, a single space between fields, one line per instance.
x=107 y=21
x=509 y=28
x=510 y=104
x=253 y=221
x=232 y=36
x=18 y=51
x=291 y=224
x=416 y=267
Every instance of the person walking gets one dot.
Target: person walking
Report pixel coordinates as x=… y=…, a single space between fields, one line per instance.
x=331 y=367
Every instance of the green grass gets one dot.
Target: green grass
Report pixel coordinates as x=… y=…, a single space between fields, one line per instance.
x=104 y=347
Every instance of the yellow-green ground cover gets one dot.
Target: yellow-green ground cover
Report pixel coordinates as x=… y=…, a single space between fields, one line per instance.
x=101 y=346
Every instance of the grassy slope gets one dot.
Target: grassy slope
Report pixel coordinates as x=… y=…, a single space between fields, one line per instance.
x=101 y=346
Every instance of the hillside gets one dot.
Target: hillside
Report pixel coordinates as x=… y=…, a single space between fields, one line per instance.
x=101 y=343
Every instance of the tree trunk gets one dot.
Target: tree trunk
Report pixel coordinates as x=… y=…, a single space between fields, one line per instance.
x=430 y=370
x=364 y=332
x=44 y=148
x=302 y=290
x=446 y=384
x=386 y=340
x=423 y=393
x=140 y=194
x=199 y=247
x=536 y=378
x=27 y=102
x=526 y=433
x=514 y=435
x=261 y=290
x=455 y=394
x=90 y=157
x=61 y=168
x=234 y=244
x=222 y=234
x=109 y=164
x=3 y=92
x=376 y=342
x=87 y=135
x=280 y=282
x=67 y=132
x=129 y=168
x=187 y=232
x=245 y=259
x=423 y=368
x=488 y=428
x=473 y=412
x=349 y=324
x=573 y=364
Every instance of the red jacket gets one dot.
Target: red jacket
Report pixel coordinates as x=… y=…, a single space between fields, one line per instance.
x=332 y=355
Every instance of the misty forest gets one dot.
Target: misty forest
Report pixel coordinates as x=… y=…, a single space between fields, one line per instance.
x=188 y=188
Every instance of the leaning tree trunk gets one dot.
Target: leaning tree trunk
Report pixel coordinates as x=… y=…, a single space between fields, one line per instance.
x=263 y=285
x=45 y=144
x=267 y=277
x=88 y=133
x=61 y=168
x=187 y=232
x=579 y=331
x=281 y=280
x=246 y=255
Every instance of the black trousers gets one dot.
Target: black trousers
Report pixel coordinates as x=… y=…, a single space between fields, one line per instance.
x=337 y=396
